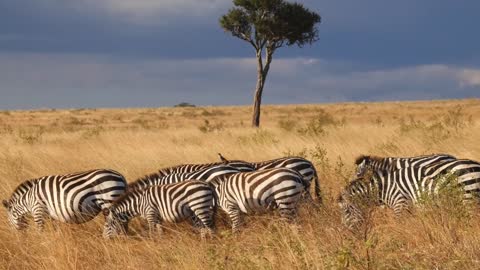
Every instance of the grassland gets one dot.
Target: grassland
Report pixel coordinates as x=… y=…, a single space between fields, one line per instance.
x=139 y=141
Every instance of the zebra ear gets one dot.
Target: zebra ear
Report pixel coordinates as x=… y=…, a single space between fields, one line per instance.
x=361 y=159
x=5 y=204
x=106 y=212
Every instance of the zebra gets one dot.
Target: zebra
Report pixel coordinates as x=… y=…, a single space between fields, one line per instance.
x=161 y=179
x=392 y=163
x=258 y=191
x=299 y=164
x=170 y=203
x=188 y=168
x=71 y=198
x=398 y=189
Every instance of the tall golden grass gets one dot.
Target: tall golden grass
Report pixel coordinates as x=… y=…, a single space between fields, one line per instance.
x=140 y=141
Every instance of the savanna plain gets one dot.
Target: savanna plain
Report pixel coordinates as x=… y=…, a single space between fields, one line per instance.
x=140 y=141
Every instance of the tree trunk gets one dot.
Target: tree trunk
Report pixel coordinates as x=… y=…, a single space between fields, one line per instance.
x=262 y=73
x=257 y=100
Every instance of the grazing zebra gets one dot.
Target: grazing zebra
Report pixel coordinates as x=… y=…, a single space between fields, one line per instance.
x=393 y=163
x=402 y=187
x=169 y=203
x=259 y=191
x=70 y=198
x=203 y=174
x=188 y=168
x=299 y=164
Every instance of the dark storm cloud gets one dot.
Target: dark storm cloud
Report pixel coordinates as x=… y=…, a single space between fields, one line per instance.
x=129 y=53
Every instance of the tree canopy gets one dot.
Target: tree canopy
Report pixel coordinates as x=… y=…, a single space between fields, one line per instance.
x=271 y=23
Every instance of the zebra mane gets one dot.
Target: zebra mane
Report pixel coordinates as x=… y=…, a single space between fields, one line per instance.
x=121 y=198
x=145 y=178
x=23 y=187
x=259 y=163
x=361 y=158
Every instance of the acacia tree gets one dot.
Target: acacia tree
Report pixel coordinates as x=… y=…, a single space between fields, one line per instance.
x=268 y=25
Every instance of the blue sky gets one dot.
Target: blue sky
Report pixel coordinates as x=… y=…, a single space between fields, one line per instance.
x=147 y=53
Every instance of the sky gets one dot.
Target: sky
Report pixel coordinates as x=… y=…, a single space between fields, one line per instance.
x=154 y=53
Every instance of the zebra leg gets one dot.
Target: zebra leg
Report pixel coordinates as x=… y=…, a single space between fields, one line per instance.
x=288 y=211
x=154 y=223
x=203 y=219
x=236 y=217
x=39 y=213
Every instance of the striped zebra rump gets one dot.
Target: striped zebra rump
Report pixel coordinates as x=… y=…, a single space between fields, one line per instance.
x=301 y=165
x=466 y=172
x=162 y=203
x=71 y=198
x=259 y=192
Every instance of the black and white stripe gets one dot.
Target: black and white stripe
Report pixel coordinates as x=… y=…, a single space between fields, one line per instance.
x=259 y=191
x=71 y=198
x=301 y=165
x=402 y=187
x=166 y=203
x=203 y=174
x=188 y=168
x=393 y=163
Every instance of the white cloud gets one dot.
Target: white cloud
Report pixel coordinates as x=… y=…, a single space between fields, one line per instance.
x=157 y=11
x=470 y=77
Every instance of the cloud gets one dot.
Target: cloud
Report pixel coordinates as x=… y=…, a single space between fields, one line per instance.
x=156 y=12
x=88 y=80
x=470 y=77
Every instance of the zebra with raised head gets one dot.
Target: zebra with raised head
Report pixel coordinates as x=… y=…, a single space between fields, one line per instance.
x=203 y=174
x=70 y=198
x=188 y=168
x=301 y=165
x=259 y=191
x=166 y=203
x=398 y=189
x=393 y=163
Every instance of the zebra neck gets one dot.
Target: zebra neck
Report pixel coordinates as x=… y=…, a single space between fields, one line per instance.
x=388 y=191
x=130 y=205
x=384 y=164
x=217 y=181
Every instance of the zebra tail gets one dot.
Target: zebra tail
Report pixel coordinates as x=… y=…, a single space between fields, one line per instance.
x=317 y=186
x=214 y=210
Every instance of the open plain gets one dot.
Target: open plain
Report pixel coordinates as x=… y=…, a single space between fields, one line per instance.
x=140 y=141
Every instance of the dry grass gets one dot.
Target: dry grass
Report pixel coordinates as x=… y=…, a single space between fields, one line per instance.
x=139 y=141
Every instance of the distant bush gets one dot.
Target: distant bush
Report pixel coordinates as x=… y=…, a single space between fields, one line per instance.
x=211 y=127
x=259 y=137
x=291 y=153
x=31 y=136
x=317 y=126
x=185 y=104
x=214 y=112
x=287 y=124
x=440 y=127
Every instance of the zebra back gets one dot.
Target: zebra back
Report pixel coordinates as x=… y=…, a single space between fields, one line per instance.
x=393 y=163
x=188 y=168
x=203 y=174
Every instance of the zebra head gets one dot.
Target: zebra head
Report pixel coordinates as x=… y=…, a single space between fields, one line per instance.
x=351 y=215
x=363 y=163
x=16 y=214
x=115 y=223
x=356 y=200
